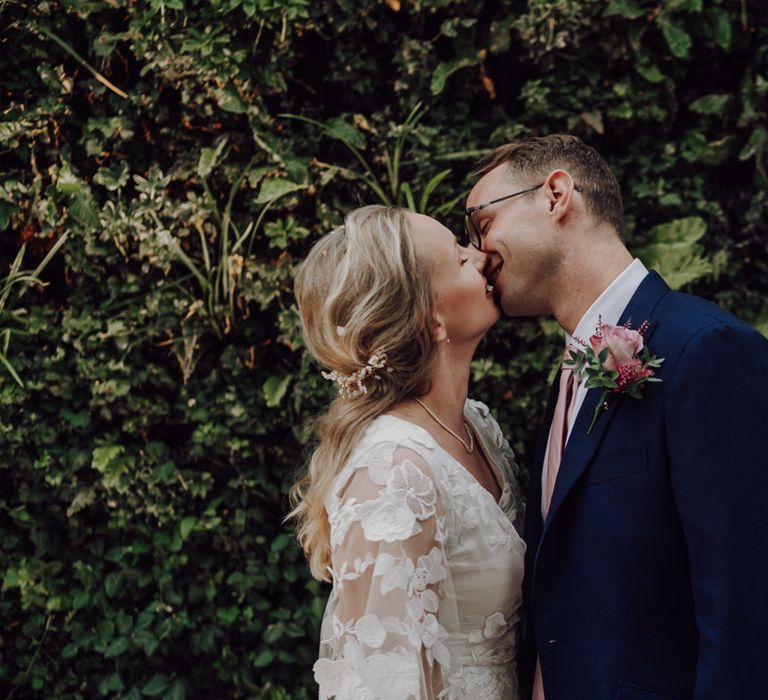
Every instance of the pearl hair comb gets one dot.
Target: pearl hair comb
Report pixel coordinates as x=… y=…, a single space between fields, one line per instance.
x=353 y=385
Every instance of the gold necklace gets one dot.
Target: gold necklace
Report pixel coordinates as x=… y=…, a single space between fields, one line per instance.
x=470 y=448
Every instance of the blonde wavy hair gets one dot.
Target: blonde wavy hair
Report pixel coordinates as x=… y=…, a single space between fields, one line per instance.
x=360 y=291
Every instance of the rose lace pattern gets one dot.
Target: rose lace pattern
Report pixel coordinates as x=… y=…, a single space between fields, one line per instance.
x=427 y=570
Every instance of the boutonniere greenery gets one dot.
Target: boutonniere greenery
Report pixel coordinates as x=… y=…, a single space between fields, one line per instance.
x=615 y=360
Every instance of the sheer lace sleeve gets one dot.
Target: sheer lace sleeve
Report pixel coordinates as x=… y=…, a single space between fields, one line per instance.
x=384 y=628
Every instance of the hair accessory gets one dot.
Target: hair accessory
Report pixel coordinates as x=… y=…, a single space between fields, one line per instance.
x=341 y=330
x=352 y=385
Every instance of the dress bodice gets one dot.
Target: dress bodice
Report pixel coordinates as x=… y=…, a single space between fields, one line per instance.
x=427 y=569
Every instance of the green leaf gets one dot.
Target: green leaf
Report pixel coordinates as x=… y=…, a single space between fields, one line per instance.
x=673 y=251
x=81 y=419
x=715 y=152
x=186 y=526
x=264 y=658
x=683 y=5
x=82 y=500
x=209 y=158
x=176 y=692
x=7 y=210
x=594 y=120
x=274 y=188
x=67 y=182
x=114 y=177
x=686 y=230
x=230 y=101
x=273 y=633
x=720 y=25
x=711 y=104
x=103 y=457
x=274 y=389
x=111 y=463
x=11 y=579
x=228 y=615
x=175 y=543
x=70 y=651
x=281 y=542
x=628 y=9
x=679 y=264
x=83 y=210
x=146 y=640
x=756 y=143
x=678 y=40
x=117 y=647
x=110 y=685
x=112 y=584
x=430 y=187
x=341 y=129
x=156 y=686
x=317 y=608
x=446 y=70
x=80 y=600
x=10 y=129
x=650 y=72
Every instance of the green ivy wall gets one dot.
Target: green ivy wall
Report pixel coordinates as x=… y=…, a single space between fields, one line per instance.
x=154 y=395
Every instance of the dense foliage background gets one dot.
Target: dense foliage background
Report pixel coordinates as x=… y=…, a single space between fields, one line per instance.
x=146 y=459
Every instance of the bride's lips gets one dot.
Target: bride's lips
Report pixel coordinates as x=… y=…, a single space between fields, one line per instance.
x=491 y=276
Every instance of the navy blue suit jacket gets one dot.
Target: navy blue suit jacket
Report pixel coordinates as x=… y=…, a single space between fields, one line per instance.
x=649 y=578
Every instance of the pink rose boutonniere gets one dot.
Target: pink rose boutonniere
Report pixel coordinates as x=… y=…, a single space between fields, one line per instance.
x=615 y=360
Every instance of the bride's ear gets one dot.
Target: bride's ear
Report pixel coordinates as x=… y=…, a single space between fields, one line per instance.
x=439 y=332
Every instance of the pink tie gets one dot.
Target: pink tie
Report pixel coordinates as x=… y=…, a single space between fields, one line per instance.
x=558 y=431
x=558 y=436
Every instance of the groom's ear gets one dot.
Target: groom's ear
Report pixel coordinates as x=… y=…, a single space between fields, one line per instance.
x=559 y=188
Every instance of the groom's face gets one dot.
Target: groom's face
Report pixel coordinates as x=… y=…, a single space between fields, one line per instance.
x=518 y=240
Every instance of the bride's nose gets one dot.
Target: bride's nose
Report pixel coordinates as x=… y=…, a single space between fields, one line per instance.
x=478 y=258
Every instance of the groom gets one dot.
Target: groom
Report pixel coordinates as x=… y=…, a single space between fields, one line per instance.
x=647 y=562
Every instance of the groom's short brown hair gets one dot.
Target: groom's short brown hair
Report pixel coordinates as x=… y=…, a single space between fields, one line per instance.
x=529 y=162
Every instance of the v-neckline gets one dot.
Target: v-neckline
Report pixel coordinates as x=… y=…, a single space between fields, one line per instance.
x=495 y=468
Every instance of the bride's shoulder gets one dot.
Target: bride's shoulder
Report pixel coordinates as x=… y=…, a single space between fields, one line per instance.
x=483 y=422
x=386 y=443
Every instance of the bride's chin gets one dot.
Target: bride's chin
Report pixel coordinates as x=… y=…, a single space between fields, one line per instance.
x=493 y=322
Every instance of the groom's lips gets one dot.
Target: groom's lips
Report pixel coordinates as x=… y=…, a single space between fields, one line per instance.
x=493 y=274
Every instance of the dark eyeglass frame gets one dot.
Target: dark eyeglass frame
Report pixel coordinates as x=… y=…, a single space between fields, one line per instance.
x=472 y=233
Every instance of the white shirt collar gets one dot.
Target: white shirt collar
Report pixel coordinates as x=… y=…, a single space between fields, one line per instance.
x=610 y=305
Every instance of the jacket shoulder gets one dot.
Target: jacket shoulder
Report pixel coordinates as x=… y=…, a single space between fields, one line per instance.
x=684 y=316
x=690 y=330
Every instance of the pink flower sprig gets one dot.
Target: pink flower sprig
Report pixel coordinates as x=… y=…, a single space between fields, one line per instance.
x=615 y=360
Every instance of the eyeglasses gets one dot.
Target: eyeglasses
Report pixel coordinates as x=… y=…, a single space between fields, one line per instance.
x=472 y=233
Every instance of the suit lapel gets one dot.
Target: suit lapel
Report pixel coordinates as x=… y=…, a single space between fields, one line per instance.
x=582 y=445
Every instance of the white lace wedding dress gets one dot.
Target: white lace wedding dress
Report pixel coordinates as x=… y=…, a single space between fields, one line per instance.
x=427 y=570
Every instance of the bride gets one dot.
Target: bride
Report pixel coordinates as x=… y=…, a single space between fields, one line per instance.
x=410 y=505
